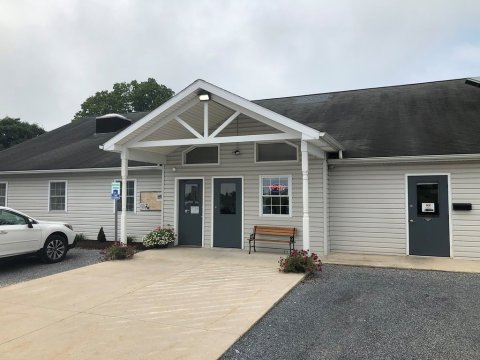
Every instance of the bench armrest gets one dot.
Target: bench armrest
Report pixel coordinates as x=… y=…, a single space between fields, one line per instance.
x=252 y=236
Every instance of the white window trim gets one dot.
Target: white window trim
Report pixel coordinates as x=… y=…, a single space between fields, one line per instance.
x=134 y=196
x=260 y=195
x=6 y=191
x=66 y=195
x=274 y=162
x=184 y=152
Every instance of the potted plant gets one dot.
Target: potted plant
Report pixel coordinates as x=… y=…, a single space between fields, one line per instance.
x=159 y=238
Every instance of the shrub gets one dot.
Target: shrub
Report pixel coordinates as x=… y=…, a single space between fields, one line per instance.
x=101 y=235
x=80 y=237
x=159 y=236
x=130 y=239
x=119 y=251
x=300 y=261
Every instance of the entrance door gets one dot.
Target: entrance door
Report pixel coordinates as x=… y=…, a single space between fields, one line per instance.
x=428 y=211
x=190 y=212
x=227 y=213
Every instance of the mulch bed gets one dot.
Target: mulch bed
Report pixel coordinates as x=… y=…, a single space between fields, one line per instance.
x=99 y=245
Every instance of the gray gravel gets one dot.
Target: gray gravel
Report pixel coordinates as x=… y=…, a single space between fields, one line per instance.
x=367 y=313
x=15 y=270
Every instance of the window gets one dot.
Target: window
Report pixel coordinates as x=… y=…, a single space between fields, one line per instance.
x=427 y=199
x=10 y=218
x=278 y=151
x=3 y=194
x=201 y=155
x=276 y=195
x=58 y=196
x=130 y=196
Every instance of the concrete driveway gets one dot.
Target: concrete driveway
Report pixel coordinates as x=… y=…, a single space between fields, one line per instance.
x=178 y=303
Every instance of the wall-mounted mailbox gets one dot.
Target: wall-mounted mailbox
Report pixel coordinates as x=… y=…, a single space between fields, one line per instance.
x=462 y=206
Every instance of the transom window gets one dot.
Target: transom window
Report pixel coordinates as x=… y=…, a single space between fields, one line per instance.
x=201 y=155
x=58 y=196
x=3 y=194
x=276 y=151
x=130 y=195
x=276 y=195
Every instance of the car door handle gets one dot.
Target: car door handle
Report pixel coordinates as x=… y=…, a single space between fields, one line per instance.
x=3 y=232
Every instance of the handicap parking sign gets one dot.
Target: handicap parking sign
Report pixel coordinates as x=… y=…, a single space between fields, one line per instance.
x=115 y=190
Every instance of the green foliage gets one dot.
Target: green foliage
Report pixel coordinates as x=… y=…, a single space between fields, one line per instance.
x=80 y=237
x=101 y=235
x=119 y=251
x=126 y=98
x=130 y=239
x=159 y=236
x=300 y=262
x=13 y=132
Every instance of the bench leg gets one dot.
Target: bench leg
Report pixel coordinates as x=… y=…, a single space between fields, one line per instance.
x=249 y=246
x=254 y=248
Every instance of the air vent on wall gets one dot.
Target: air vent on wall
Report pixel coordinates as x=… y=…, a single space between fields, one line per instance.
x=111 y=123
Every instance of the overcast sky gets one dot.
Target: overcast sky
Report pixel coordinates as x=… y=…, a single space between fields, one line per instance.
x=56 y=53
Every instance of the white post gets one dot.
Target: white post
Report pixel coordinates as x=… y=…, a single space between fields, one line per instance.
x=205 y=119
x=123 y=219
x=306 y=218
x=326 y=244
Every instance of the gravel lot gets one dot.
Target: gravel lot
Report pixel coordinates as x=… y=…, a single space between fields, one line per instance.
x=370 y=313
x=15 y=270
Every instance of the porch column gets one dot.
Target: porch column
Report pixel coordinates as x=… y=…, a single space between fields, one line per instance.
x=326 y=231
x=123 y=219
x=306 y=218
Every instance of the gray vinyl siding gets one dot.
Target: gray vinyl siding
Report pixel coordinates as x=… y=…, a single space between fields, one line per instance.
x=367 y=206
x=89 y=205
x=244 y=165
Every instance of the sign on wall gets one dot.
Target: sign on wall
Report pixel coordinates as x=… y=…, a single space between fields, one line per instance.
x=150 y=201
x=115 y=193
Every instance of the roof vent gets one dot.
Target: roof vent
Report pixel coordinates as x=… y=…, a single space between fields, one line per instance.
x=473 y=81
x=111 y=123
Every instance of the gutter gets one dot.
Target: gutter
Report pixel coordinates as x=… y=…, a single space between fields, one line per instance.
x=86 y=170
x=405 y=159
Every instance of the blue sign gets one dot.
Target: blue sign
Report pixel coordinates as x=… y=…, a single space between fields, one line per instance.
x=115 y=190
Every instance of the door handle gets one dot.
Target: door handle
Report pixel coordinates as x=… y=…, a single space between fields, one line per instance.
x=3 y=232
x=411 y=220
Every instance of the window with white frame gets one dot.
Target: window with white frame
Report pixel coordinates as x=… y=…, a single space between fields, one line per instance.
x=276 y=195
x=58 y=196
x=276 y=151
x=130 y=195
x=201 y=155
x=3 y=194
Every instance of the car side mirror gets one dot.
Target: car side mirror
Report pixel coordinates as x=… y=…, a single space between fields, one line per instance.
x=29 y=223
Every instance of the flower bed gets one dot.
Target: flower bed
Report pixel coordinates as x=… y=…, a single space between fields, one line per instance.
x=300 y=261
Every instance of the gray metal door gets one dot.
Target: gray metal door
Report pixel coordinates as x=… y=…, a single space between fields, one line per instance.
x=428 y=219
x=227 y=213
x=190 y=212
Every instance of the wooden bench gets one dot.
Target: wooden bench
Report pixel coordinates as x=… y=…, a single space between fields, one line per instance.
x=274 y=231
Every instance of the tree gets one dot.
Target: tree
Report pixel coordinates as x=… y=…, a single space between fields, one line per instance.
x=126 y=98
x=13 y=131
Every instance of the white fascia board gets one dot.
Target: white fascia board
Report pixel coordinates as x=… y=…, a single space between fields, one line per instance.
x=331 y=141
x=169 y=103
x=283 y=120
x=86 y=170
x=405 y=159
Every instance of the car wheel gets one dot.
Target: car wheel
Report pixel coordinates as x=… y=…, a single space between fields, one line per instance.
x=55 y=249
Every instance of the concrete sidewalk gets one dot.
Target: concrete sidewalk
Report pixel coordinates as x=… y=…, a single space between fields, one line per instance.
x=404 y=262
x=178 y=303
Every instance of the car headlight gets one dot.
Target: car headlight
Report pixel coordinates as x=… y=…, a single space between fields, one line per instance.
x=68 y=226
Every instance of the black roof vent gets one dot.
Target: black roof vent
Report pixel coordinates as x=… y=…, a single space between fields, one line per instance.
x=111 y=123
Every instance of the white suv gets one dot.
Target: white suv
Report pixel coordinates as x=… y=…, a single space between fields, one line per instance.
x=21 y=234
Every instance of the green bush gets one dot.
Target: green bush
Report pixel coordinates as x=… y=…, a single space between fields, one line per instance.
x=101 y=235
x=80 y=237
x=130 y=239
x=300 y=261
x=119 y=251
x=159 y=236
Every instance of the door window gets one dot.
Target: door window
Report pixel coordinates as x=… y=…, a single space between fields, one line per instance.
x=192 y=201
x=10 y=218
x=228 y=198
x=427 y=199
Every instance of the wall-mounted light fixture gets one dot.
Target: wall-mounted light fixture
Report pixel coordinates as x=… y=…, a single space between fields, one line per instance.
x=204 y=96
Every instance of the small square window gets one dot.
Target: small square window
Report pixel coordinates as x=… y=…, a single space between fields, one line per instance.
x=276 y=196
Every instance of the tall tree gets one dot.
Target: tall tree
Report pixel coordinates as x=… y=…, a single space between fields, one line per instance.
x=125 y=98
x=13 y=131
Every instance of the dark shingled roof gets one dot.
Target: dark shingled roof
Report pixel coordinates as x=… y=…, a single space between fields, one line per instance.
x=72 y=146
x=434 y=118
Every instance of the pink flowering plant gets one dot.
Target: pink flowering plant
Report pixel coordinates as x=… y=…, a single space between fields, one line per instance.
x=300 y=261
x=119 y=251
x=158 y=237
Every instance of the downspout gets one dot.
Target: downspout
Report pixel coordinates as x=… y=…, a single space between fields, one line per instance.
x=326 y=216
x=163 y=195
